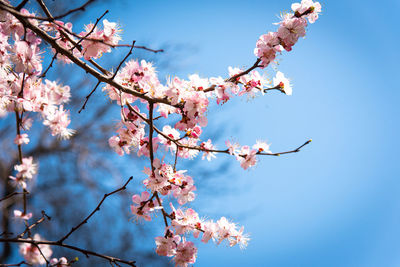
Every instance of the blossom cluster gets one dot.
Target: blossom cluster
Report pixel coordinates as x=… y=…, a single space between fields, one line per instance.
x=291 y=28
x=174 y=243
x=25 y=171
x=38 y=254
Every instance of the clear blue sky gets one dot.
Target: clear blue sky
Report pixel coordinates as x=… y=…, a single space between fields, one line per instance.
x=337 y=202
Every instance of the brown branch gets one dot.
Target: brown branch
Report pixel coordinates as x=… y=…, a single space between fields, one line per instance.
x=15 y=264
x=151 y=129
x=235 y=77
x=88 y=96
x=81 y=8
x=18 y=121
x=94 y=211
x=286 y=152
x=50 y=65
x=165 y=215
x=41 y=253
x=146 y=48
x=123 y=60
x=199 y=148
x=176 y=158
x=45 y=9
x=56 y=243
x=10 y=195
x=30 y=227
x=21 y=5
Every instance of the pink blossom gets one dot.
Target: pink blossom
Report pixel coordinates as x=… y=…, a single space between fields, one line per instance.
x=267 y=47
x=195 y=132
x=166 y=246
x=26 y=57
x=93 y=48
x=159 y=178
x=252 y=83
x=142 y=206
x=185 y=221
x=58 y=120
x=61 y=262
x=56 y=94
x=232 y=148
x=308 y=8
x=183 y=188
x=281 y=82
x=206 y=147
x=188 y=153
x=18 y=181
x=21 y=215
x=224 y=229
x=119 y=146
x=144 y=146
x=21 y=139
x=172 y=134
x=27 y=169
x=110 y=32
x=247 y=157
x=32 y=254
x=261 y=146
x=186 y=253
x=237 y=237
x=291 y=28
x=210 y=231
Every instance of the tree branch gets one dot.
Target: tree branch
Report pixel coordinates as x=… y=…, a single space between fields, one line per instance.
x=94 y=211
x=56 y=243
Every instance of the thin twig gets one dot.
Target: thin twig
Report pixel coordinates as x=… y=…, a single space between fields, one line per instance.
x=94 y=211
x=81 y=8
x=165 y=215
x=30 y=227
x=148 y=49
x=123 y=60
x=199 y=148
x=10 y=195
x=151 y=129
x=15 y=264
x=50 y=65
x=88 y=96
x=235 y=77
x=41 y=253
x=56 y=243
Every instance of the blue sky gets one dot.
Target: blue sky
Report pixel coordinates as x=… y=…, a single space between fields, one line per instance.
x=336 y=203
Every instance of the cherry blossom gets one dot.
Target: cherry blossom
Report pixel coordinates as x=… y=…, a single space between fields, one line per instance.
x=247 y=157
x=308 y=8
x=27 y=169
x=61 y=262
x=281 y=82
x=21 y=215
x=21 y=139
x=186 y=253
x=143 y=206
x=32 y=254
